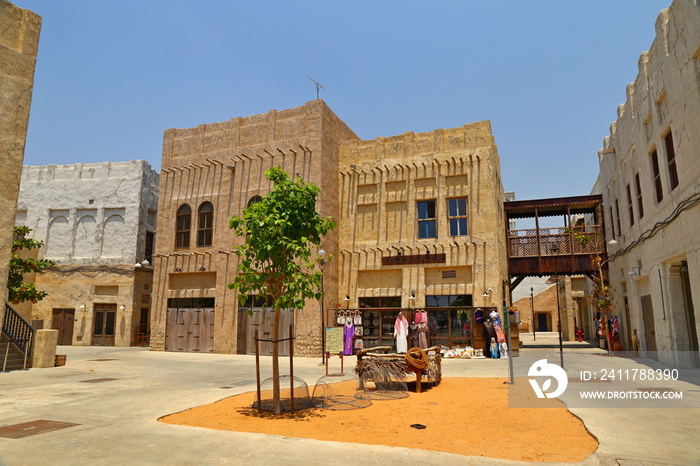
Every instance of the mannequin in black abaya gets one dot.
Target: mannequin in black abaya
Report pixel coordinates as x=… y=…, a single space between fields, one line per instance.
x=413 y=334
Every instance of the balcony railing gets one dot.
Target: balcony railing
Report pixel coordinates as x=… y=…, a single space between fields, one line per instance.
x=542 y=242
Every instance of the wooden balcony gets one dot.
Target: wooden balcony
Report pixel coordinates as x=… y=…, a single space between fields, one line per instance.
x=554 y=250
x=566 y=250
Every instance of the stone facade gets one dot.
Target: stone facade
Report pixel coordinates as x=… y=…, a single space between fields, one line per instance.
x=19 y=42
x=650 y=182
x=371 y=188
x=222 y=165
x=436 y=195
x=96 y=221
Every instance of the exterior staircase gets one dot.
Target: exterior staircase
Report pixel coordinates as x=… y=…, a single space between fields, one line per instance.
x=15 y=356
x=15 y=341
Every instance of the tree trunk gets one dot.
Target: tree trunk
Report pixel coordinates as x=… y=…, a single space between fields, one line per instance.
x=276 y=364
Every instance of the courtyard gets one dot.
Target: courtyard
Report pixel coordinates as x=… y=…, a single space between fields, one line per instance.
x=113 y=399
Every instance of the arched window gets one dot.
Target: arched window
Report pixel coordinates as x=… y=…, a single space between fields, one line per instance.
x=205 y=226
x=253 y=200
x=182 y=228
x=112 y=237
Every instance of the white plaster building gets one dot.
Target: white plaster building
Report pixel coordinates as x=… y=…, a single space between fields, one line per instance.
x=97 y=221
x=650 y=182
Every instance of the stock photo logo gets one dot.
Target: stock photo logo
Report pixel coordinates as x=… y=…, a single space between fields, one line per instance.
x=542 y=368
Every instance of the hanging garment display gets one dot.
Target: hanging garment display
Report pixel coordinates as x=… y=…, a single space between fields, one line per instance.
x=357 y=318
x=488 y=333
x=500 y=336
x=413 y=332
x=401 y=333
x=422 y=335
x=479 y=315
x=348 y=336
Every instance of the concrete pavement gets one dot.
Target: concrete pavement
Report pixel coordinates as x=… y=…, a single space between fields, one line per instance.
x=117 y=418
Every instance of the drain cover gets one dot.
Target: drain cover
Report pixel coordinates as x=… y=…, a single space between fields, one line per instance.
x=103 y=359
x=104 y=379
x=27 y=429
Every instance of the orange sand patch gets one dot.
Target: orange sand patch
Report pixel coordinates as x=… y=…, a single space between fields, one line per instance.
x=463 y=416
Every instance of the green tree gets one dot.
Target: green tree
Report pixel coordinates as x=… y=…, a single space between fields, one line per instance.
x=276 y=259
x=18 y=290
x=600 y=299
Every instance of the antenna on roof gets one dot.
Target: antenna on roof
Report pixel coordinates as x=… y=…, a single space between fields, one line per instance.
x=318 y=85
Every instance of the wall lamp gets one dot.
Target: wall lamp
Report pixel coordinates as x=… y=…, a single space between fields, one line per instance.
x=178 y=269
x=121 y=308
x=412 y=295
x=635 y=271
x=613 y=241
x=82 y=307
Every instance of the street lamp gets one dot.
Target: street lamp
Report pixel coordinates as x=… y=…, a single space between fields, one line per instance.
x=532 y=309
x=555 y=250
x=322 y=264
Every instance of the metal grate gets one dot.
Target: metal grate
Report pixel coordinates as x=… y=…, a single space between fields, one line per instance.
x=27 y=429
x=449 y=274
x=104 y=379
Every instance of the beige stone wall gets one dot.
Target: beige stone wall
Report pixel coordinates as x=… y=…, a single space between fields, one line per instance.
x=572 y=307
x=380 y=183
x=81 y=287
x=544 y=302
x=93 y=220
x=224 y=163
x=664 y=99
x=19 y=42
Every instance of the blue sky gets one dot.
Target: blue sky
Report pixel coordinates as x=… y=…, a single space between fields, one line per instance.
x=112 y=75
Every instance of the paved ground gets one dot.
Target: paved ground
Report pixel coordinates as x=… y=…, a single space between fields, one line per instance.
x=117 y=419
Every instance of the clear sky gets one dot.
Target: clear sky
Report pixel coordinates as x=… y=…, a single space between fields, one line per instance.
x=112 y=75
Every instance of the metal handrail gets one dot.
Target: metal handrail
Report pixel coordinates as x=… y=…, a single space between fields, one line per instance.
x=19 y=332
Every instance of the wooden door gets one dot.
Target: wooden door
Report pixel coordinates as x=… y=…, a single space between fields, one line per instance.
x=104 y=319
x=542 y=323
x=648 y=317
x=190 y=330
x=242 y=335
x=63 y=321
x=263 y=320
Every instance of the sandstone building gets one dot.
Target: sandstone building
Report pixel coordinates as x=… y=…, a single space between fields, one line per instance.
x=420 y=224
x=19 y=42
x=98 y=223
x=650 y=182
